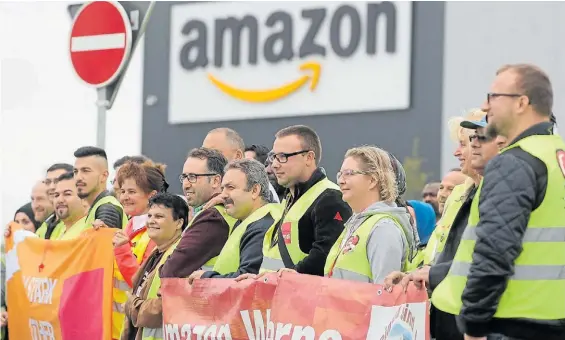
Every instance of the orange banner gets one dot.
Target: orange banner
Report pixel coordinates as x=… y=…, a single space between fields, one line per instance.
x=59 y=289
x=292 y=307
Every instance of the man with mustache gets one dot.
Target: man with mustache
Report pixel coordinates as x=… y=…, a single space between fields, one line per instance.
x=205 y=236
x=91 y=175
x=68 y=207
x=245 y=191
x=52 y=225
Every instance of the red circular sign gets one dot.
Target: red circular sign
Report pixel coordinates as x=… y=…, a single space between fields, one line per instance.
x=100 y=42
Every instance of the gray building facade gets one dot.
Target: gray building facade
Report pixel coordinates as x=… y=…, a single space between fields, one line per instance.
x=411 y=128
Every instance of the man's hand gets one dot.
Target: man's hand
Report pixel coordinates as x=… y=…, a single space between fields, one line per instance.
x=97 y=224
x=214 y=201
x=194 y=276
x=286 y=270
x=4 y=319
x=245 y=277
x=468 y=337
x=393 y=279
x=120 y=239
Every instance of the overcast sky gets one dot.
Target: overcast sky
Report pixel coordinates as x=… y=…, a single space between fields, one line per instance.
x=46 y=112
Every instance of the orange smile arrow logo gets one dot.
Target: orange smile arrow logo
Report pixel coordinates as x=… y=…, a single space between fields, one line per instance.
x=269 y=95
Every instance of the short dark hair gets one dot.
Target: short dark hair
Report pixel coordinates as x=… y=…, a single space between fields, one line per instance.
x=261 y=152
x=134 y=159
x=175 y=203
x=60 y=166
x=534 y=83
x=69 y=175
x=87 y=151
x=309 y=139
x=215 y=161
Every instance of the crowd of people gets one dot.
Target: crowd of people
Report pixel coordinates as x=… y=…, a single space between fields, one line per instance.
x=488 y=241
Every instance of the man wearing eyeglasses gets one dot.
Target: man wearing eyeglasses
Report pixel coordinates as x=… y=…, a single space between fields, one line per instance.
x=508 y=275
x=314 y=212
x=207 y=232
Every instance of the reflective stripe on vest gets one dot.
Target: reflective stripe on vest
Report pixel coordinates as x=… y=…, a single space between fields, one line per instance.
x=152 y=333
x=350 y=261
x=452 y=206
x=157 y=333
x=538 y=279
x=272 y=260
x=228 y=260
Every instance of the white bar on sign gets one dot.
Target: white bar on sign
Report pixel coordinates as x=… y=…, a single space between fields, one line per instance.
x=98 y=42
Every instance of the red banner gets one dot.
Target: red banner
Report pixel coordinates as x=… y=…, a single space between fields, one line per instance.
x=294 y=307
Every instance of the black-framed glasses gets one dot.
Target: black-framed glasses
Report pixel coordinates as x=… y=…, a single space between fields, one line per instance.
x=348 y=173
x=493 y=95
x=192 y=178
x=480 y=138
x=282 y=157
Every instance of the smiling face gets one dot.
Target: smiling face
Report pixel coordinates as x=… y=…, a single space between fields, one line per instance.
x=40 y=203
x=133 y=198
x=67 y=203
x=22 y=219
x=353 y=182
x=161 y=226
x=238 y=200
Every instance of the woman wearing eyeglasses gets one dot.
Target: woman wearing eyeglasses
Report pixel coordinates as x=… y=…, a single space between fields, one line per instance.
x=378 y=238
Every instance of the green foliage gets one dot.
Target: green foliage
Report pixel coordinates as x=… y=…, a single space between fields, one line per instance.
x=415 y=177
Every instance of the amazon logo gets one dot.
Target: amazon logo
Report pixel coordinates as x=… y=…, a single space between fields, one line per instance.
x=221 y=38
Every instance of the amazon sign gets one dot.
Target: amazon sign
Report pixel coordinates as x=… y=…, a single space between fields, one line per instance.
x=252 y=60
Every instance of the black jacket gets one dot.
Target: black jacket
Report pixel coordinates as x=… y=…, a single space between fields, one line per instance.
x=443 y=325
x=250 y=249
x=514 y=185
x=108 y=212
x=320 y=226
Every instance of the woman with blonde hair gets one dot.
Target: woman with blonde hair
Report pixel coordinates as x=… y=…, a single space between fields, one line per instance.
x=378 y=238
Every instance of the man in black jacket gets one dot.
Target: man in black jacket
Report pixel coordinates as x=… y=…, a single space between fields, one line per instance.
x=519 y=106
x=484 y=144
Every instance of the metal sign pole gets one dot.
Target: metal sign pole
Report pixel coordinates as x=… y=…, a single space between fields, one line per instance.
x=102 y=104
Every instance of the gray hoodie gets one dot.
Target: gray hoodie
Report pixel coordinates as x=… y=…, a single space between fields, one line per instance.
x=387 y=245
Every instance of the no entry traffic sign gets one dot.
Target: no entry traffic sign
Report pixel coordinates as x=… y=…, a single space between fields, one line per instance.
x=100 y=42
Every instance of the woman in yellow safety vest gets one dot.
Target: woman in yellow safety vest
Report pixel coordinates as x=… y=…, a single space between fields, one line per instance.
x=168 y=217
x=378 y=237
x=137 y=183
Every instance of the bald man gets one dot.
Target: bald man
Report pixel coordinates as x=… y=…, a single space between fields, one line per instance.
x=43 y=211
x=91 y=175
x=230 y=144
x=453 y=178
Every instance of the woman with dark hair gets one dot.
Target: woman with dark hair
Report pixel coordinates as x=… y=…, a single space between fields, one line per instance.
x=24 y=217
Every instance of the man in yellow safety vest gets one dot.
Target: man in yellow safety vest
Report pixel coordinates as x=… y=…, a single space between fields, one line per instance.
x=508 y=274
x=247 y=198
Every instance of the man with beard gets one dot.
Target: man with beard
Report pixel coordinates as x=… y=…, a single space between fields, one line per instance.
x=245 y=191
x=91 y=175
x=206 y=234
x=68 y=207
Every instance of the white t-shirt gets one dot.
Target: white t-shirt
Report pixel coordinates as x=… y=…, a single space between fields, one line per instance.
x=274 y=193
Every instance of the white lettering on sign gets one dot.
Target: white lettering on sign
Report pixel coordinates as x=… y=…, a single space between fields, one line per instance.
x=255 y=327
x=186 y=331
x=255 y=60
x=40 y=289
x=41 y=330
